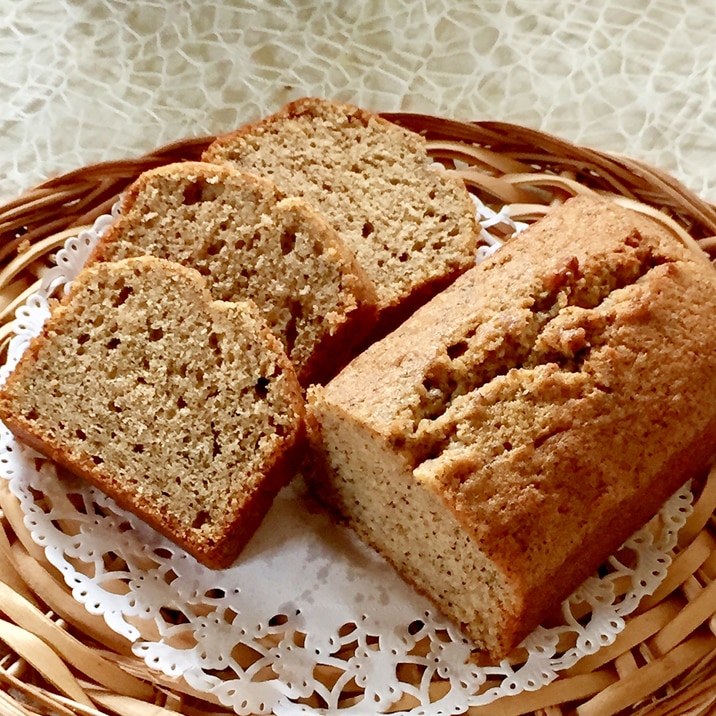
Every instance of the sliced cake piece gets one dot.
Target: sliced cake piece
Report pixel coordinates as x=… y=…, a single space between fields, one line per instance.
x=513 y=432
x=184 y=409
x=409 y=222
x=249 y=241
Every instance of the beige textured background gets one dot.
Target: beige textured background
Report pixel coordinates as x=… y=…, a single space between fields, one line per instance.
x=87 y=80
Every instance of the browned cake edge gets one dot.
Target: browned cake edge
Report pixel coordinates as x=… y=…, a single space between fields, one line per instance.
x=391 y=316
x=304 y=106
x=334 y=350
x=543 y=602
x=279 y=468
x=278 y=473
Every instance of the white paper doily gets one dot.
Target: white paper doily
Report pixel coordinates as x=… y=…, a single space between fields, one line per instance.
x=308 y=614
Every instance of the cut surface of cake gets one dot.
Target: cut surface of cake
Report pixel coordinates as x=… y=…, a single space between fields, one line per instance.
x=410 y=224
x=512 y=433
x=184 y=409
x=252 y=242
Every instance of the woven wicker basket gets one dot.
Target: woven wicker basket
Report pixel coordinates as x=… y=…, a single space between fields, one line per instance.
x=55 y=658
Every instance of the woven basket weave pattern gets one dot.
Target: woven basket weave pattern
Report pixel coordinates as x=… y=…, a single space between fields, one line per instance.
x=56 y=658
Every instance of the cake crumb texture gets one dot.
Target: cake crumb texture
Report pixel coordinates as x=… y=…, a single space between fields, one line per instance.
x=410 y=224
x=251 y=242
x=184 y=409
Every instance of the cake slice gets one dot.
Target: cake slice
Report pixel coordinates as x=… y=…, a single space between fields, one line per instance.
x=513 y=432
x=410 y=223
x=184 y=409
x=250 y=241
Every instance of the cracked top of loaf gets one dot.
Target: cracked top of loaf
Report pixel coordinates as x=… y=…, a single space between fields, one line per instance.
x=552 y=380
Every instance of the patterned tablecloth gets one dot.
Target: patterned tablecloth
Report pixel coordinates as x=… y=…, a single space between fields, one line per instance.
x=89 y=80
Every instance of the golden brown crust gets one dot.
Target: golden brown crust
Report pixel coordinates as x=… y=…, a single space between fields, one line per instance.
x=550 y=399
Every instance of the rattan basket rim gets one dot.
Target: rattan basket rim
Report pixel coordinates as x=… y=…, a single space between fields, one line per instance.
x=665 y=661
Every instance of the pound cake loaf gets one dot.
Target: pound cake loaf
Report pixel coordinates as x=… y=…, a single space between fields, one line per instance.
x=411 y=224
x=184 y=409
x=513 y=432
x=251 y=242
